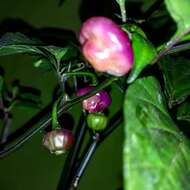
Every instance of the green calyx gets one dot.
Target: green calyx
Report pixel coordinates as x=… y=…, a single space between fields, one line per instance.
x=97 y=121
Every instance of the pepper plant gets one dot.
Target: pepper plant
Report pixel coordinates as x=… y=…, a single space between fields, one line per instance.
x=151 y=76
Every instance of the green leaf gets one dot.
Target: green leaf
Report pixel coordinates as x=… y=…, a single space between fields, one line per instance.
x=180 y=12
x=147 y=4
x=12 y=43
x=29 y=96
x=176 y=73
x=26 y=94
x=144 y=53
x=24 y=104
x=62 y=53
x=183 y=112
x=185 y=38
x=156 y=154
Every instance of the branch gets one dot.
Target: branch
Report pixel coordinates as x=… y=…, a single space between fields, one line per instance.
x=82 y=74
x=72 y=157
x=179 y=48
x=169 y=46
x=66 y=106
x=85 y=161
x=7 y=121
x=96 y=140
x=115 y=121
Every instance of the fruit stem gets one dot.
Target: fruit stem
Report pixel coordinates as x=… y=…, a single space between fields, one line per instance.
x=85 y=161
x=82 y=74
x=97 y=139
x=72 y=157
x=122 y=10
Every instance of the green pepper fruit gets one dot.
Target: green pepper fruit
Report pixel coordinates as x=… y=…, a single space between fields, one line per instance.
x=97 y=121
x=143 y=49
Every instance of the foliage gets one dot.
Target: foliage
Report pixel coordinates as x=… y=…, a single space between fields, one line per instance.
x=157 y=89
x=154 y=147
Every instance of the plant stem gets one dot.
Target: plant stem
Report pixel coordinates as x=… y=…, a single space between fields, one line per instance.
x=179 y=48
x=7 y=122
x=121 y=85
x=72 y=157
x=122 y=10
x=169 y=46
x=66 y=106
x=82 y=74
x=97 y=139
x=85 y=161
x=115 y=121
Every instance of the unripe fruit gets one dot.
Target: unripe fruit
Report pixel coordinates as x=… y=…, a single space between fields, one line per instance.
x=97 y=121
x=58 y=141
x=106 y=46
x=96 y=103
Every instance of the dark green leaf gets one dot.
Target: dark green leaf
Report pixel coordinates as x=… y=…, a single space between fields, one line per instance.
x=30 y=97
x=176 y=72
x=12 y=43
x=62 y=54
x=183 y=112
x=23 y=93
x=156 y=154
x=71 y=52
x=23 y=104
x=146 y=5
x=15 y=91
x=180 y=12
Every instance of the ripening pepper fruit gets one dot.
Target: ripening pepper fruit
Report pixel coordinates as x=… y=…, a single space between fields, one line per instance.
x=58 y=141
x=106 y=46
x=97 y=121
x=96 y=103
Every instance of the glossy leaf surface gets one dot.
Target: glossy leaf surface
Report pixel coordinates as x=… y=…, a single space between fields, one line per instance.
x=12 y=43
x=156 y=154
x=180 y=12
x=183 y=112
x=176 y=73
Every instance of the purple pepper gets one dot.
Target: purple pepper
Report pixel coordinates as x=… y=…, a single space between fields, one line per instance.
x=106 y=46
x=96 y=103
x=58 y=141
